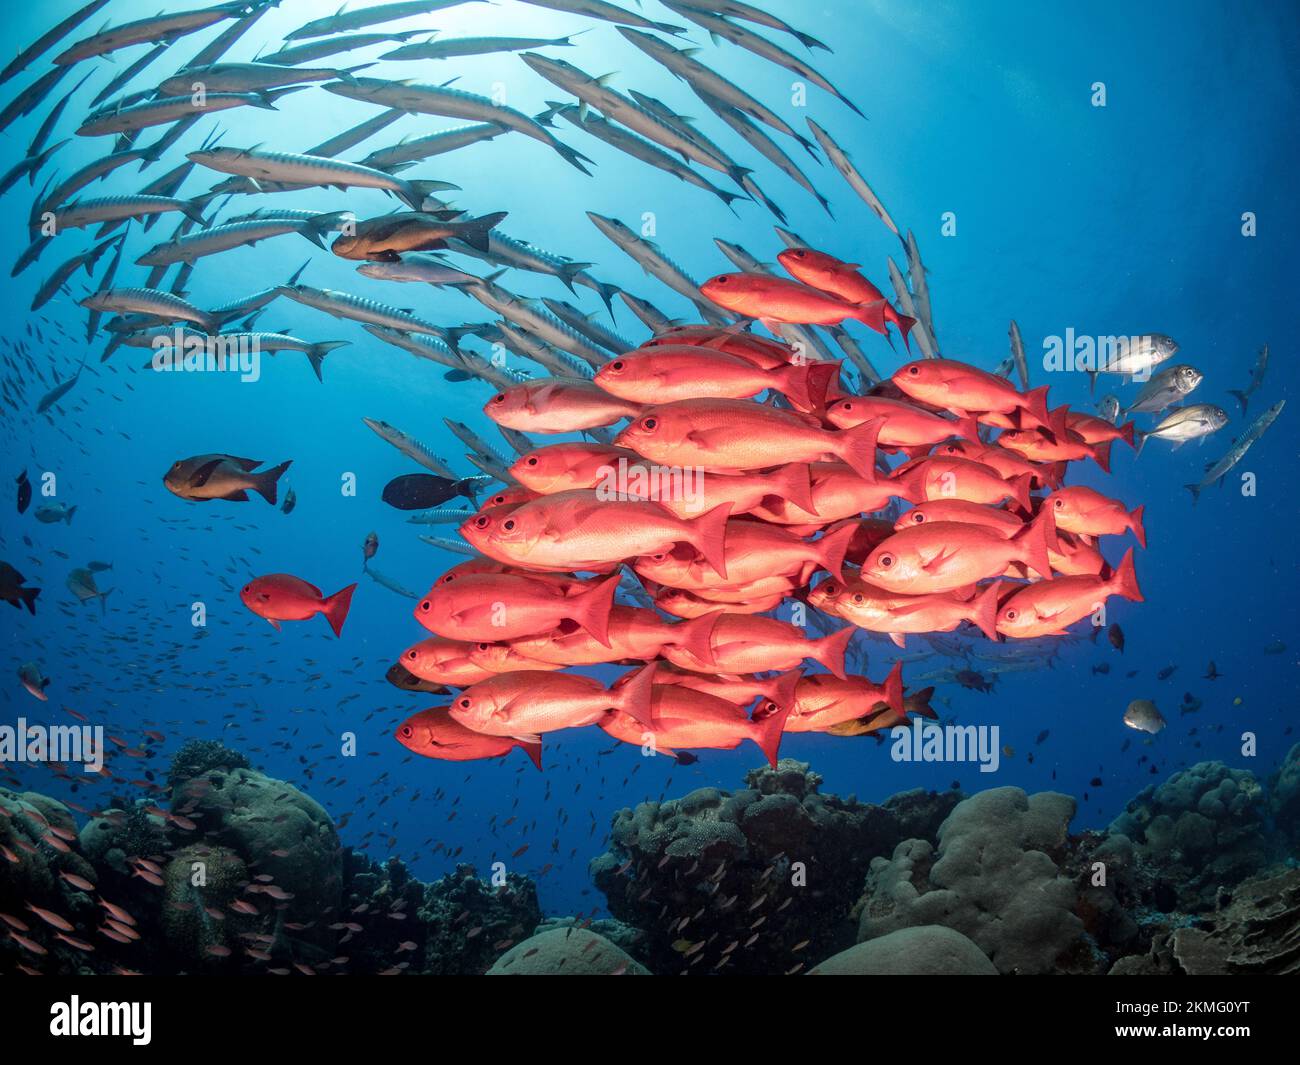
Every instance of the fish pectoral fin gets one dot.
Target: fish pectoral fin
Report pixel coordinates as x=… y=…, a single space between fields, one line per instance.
x=940 y=559
x=527 y=737
x=273 y=623
x=201 y=476
x=899 y=639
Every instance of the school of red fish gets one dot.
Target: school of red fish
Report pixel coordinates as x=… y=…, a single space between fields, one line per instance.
x=731 y=513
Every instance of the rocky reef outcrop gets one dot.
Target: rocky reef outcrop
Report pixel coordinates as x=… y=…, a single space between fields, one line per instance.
x=755 y=880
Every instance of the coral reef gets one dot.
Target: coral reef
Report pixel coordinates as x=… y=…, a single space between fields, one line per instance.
x=750 y=881
x=1201 y=829
x=198 y=757
x=1284 y=798
x=918 y=951
x=569 y=951
x=994 y=878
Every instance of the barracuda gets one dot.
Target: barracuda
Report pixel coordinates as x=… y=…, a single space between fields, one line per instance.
x=358 y=309
x=410 y=447
x=516 y=309
x=452 y=103
x=234 y=235
x=648 y=255
x=175 y=108
x=161 y=305
x=308 y=170
x=157 y=28
x=82 y=213
x=447 y=140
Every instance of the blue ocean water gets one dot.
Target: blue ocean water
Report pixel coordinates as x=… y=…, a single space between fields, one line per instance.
x=1108 y=220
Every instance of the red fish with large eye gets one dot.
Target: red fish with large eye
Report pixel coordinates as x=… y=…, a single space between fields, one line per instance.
x=580 y=530
x=1049 y=607
x=1083 y=510
x=669 y=373
x=840 y=279
x=964 y=390
x=734 y=434
x=778 y=300
x=281 y=597
x=435 y=734
x=505 y=606
x=948 y=555
x=553 y=406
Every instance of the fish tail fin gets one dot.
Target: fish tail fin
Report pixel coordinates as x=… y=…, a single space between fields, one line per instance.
x=475 y=231
x=829 y=650
x=1141 y=437
x=534 y=751
x=67 y=515
x=793 y=483
x=696 y=636
x=1036 y=405
x=1036 y=539
x=335 y=608
x=316 y=354
x=834 y=545
x=785 y=686
x=591 y=608
x=1125 y=580
x=1019 y=488
x=193 y=210
x=348 y=75
x=413 y=193
x=572 y=157
x=709 y=537
x=822 y=377
x=893 y=688
x=1101 y=454
x=1135 y=523
x=919 y=703
x=29 y=598
x=265 y=483
x=768 y=732
x=1195 y=489
x=905 y=323
x=635 y=695
x=859 y=448
x=872 y=315
x=1127 y=433
x=1052 y=473
x=793 y=381
x=1242 y=398
x=984 y=611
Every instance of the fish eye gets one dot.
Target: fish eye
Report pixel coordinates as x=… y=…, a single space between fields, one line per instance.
x=917 y=517
x=482 y=646
x=1011 y=614
x=722 y=280
x=650 y=424
x=886 y=561
x=482 y=521
x=500 y=397
x=508 y=524
x=406 y=732
x=829 y=588
x=857 y=597
x=1059 y=504
x=800 y=254
x=846 y=405
x=464 y=704
x=659 y=557
x=617 y=365
x=412 y=655
x=914 y=370
x=425 y=606
x=532 y=460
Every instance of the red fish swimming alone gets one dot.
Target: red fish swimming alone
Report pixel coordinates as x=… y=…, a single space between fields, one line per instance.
x=283 y=597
